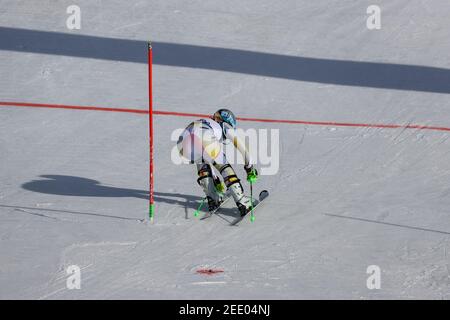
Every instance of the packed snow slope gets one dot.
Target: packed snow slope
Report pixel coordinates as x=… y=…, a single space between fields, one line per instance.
x=74 y=183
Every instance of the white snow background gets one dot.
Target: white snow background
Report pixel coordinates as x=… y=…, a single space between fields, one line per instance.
x=73 y=184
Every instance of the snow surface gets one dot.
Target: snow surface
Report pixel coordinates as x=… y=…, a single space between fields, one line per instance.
x=74 y=183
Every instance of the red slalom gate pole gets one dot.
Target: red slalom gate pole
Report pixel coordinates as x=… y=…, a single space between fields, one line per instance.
x=150 y=131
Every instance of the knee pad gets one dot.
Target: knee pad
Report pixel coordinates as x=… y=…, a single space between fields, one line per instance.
x=229 y=175
x=207 y=182
x=204 y=172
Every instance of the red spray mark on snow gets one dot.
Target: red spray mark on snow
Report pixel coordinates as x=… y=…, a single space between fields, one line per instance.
x=209 y=272
x=199 y=115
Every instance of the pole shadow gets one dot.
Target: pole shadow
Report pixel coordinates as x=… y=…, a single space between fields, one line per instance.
x=329 y=71
x=46 y=210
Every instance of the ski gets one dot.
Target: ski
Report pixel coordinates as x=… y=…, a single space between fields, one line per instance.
x=210 y=213
x=262 y=195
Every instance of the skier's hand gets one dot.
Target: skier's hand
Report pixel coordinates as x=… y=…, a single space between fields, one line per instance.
x=252 y=173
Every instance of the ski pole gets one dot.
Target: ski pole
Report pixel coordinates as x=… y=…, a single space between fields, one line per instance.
x=199 y=208
x=252 y=216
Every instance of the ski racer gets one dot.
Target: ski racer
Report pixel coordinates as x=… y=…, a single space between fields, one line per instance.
x=202 y=143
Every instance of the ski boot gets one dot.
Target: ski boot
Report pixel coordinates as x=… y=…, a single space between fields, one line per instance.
x=213 y=204
x=235 y=188
x=211 y=187
x=243 y=202
x=243 y=209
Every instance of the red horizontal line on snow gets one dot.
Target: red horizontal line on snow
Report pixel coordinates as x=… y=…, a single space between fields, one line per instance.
x=61 y=106
x=185 y=114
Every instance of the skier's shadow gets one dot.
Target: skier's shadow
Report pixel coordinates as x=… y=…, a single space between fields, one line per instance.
x=82 y=187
